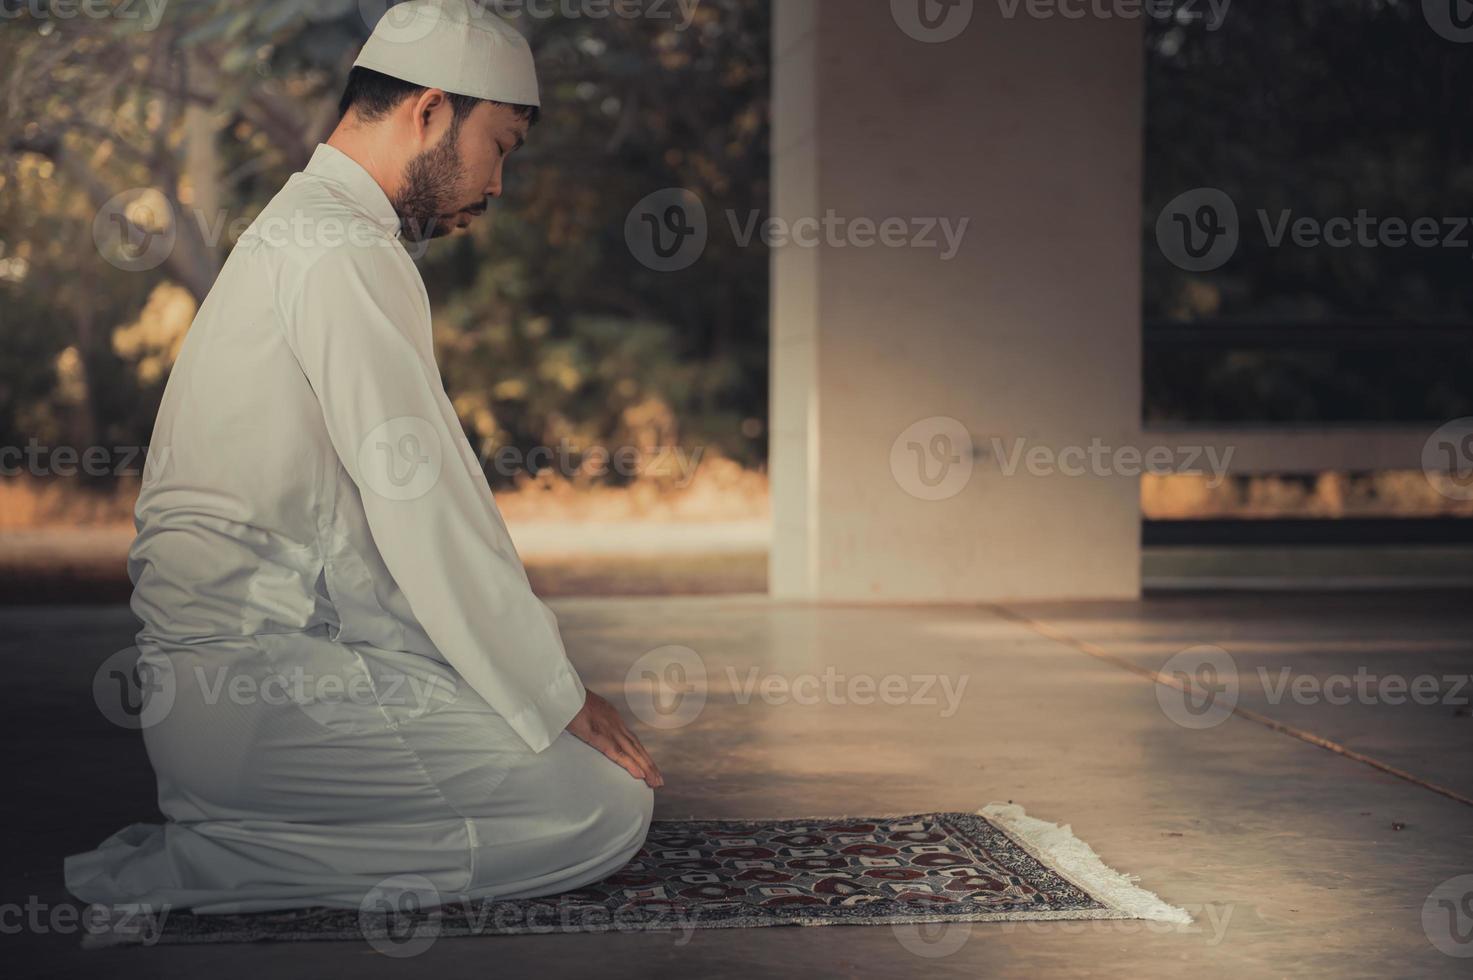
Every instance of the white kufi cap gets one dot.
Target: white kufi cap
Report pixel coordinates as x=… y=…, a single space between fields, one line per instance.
x=455 y=45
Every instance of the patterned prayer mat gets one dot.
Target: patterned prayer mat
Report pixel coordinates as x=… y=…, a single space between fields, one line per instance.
x=998 y=864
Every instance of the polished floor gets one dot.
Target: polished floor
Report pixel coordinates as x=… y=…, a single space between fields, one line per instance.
x=1295 y=860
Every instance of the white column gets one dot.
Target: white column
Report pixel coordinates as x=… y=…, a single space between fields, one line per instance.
x=1029 y=129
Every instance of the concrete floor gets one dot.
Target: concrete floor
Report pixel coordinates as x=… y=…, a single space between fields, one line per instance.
x=1287 y=854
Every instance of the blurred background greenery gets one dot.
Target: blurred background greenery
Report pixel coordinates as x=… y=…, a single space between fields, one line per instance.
x=550 y=333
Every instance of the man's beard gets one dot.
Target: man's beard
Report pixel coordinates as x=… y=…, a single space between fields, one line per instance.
x=426 y=202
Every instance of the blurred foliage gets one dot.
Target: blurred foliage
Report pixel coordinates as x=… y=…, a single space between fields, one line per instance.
x=1324 y=108
x=548 y=328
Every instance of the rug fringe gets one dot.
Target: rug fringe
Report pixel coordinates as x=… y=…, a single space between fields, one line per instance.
x=1057 y=847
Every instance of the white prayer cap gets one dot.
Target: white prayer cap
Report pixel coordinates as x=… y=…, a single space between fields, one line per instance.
x=455 y=45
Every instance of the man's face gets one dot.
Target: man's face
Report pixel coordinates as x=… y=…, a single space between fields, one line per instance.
x=449 y=185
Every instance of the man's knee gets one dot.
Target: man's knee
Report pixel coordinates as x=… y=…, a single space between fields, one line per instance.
x=625 y=810
x=604 y=810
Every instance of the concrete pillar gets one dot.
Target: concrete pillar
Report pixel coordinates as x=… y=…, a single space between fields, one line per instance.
x=898 y=372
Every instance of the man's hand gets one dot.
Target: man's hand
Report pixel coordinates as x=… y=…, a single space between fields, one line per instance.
x=598 y=723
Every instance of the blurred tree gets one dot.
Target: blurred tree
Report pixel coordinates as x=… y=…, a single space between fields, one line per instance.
x=562 y=333
x=633 y=107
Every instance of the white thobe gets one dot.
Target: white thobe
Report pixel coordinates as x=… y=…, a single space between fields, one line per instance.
x=360 y=682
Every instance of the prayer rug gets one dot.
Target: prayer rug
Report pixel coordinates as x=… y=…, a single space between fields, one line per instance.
x=995 y=865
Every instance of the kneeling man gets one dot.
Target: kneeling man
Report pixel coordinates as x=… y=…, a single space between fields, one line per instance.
x=360 y=683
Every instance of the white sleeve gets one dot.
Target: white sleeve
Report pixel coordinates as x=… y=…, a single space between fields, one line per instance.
x=351 y=318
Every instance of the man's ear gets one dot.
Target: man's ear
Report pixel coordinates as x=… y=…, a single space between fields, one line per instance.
x=431 y=110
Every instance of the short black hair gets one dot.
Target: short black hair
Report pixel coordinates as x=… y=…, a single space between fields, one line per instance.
x=373 y=94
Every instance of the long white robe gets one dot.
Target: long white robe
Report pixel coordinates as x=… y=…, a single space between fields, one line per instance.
x=360 y=682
